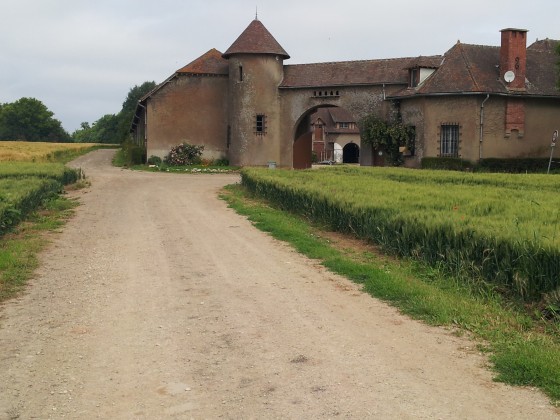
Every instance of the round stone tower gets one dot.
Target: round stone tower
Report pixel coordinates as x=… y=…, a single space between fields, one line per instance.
x=255 y=72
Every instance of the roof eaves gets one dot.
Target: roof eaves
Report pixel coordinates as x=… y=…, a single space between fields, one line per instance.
x=335 y=85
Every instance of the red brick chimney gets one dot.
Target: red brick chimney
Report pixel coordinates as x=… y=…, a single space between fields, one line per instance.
x=513 y=57
x=513 y=65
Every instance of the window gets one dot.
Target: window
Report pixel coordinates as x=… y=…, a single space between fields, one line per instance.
x=343 y=125
x=260 y=125
x=228 y=136
x=449 y=137
x=413 y=77
x=240 y=73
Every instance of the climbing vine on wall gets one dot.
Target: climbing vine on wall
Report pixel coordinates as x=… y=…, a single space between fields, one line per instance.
x=387 y=137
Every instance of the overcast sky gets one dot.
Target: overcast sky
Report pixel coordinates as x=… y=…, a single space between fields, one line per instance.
x=80 y=58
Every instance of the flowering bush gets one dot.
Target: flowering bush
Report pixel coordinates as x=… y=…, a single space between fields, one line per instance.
x=184 y=154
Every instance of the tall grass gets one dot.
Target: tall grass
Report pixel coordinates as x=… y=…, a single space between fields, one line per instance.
x=19 y=197
x=501 y=229
x=28 y=176
x=55 y=171
x=21 y=151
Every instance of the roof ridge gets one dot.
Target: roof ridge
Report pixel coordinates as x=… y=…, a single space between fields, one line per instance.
x=375 y=60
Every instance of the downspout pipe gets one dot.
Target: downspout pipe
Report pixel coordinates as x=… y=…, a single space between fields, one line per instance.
x=482 y=126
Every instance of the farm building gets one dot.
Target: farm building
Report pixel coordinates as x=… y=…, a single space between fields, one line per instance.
x=335 y=136
x=246 y=105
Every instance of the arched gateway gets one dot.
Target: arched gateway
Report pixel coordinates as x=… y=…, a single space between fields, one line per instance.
x=247 y=106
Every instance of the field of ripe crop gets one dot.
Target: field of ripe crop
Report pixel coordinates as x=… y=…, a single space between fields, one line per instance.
x=502 y=228
x=28 y=176
x=39 y=151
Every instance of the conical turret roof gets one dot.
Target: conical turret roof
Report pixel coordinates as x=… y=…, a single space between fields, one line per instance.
x=256 y=40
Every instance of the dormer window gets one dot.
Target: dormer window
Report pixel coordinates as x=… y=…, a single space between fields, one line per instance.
x=414 y=77
x=418 y=74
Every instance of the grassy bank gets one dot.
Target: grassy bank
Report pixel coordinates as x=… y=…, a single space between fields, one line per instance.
x=503 y=230
x=523 y=350
x=19 y=247
x=32 y=175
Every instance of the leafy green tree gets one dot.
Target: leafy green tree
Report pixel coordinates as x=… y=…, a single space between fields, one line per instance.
x=558 y=64
x=114 y=128
x=129 y=107
x=387 y=136
x=82 y=134
x=29 y=119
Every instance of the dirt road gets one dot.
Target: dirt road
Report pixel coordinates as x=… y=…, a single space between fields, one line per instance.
x=157 y=301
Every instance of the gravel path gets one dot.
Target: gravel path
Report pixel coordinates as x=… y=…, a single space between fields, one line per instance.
x=157 y=301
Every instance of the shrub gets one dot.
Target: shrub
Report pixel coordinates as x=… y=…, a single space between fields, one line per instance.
x=133 y=154
x=154 y=160
x=514 y=165
x=184 y=154
x=449 y=164
x=221 y=162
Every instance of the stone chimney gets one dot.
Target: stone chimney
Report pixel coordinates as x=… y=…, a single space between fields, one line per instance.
x=513 y=56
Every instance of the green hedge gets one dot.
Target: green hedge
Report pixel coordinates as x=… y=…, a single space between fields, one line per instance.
x=531 y=165
x=449 y=164
x=20 y=196
x=515 y=166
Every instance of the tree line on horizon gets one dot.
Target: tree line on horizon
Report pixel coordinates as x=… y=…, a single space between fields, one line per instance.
x=28 y=119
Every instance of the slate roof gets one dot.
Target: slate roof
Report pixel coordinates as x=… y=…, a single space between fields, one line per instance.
x=211 y=62
x=256 y=39
x=366 y=72
x=475 y=69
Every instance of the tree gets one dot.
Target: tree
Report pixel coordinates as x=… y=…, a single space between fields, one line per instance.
x=29 y=119
x=558 y=64
x=114 y=128
x=129 y=107
x=387 y=136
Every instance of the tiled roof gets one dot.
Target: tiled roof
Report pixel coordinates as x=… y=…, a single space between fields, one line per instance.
x=209 y=63
x=340 y=115
x=256 y=39
x=332 y=115
x=475 y=69
x=367 y=72
x=544 y=45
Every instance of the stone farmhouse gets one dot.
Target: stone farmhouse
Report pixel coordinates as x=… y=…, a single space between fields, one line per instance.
x=335 y=136
x=246 y=105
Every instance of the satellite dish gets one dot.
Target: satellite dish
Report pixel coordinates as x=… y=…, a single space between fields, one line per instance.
x=509 y=76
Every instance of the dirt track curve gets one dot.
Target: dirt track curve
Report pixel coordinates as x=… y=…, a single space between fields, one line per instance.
x=157 y=301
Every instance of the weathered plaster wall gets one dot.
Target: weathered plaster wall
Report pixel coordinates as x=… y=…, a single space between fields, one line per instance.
x=428 y=114
x=189 y=109
x=358 y=100
x=255 y=92
x=541 y=119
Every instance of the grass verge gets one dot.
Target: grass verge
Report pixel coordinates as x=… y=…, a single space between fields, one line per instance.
x=523 y=351
x=19 y=248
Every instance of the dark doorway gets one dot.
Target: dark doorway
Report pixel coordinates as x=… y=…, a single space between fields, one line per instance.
x=351 y=153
